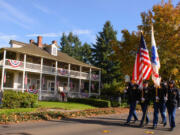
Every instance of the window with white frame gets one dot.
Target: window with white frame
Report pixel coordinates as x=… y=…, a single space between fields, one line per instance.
x=54 y=50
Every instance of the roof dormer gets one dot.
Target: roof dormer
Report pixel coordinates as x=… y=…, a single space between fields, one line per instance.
x=53 y=48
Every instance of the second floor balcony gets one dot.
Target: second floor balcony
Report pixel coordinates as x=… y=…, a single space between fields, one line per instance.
x=32 y=67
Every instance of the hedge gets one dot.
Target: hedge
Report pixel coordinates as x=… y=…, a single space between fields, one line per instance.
x=13 y=99
x=91 y=101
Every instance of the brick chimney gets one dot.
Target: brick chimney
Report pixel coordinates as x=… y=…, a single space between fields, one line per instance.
x=31 y=41
x=54 y=42
x=39 y=41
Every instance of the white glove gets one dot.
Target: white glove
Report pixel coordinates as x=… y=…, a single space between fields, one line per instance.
x=125 y=91
x=142 y=99
x=178 y=108
x=165 y=98
x=137 y=102
x=157 y=98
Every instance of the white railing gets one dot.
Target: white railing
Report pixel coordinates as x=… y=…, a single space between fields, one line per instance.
x=14 y=63
x=33 y=66
x=74 y=73
x=15 y=89
x=48 y=69
x=47 y=92
x=73 y=94
x=84 y=75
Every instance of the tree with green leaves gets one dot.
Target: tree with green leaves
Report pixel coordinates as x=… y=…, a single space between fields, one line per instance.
x=165 y=18
x=125 y=51
x=102 y=51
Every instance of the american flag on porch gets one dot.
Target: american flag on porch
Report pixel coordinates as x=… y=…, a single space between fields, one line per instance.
x=142 y=66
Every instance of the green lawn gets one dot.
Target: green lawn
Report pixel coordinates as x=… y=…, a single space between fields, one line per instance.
x=64 y=105
x=46 y=104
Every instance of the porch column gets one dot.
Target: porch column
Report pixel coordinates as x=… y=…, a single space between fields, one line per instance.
x=55 y=84
x=40 y=82
x=24 y=73
x=69 y=70
x=99 y=82
x=3 y=69
x=80 y=81
x=90 y=70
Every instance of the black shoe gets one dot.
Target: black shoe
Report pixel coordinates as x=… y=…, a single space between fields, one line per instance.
x=127 y=123
x=154 y=126
x=172 y=128
x=141 y=125
x=135 y=120
x=147 y=122
x=164 y=124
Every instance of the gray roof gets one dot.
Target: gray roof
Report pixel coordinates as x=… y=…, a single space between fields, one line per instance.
x=34 y=50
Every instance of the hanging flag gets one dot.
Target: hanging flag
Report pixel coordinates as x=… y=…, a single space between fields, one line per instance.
x=142 y=66
x=57 y=84
x=26 y=79
x=93 y=87
x=4 y=77
x=82 y=85
x=155 y=60
x=71 y=85
x=43 y=81
x=15 y=63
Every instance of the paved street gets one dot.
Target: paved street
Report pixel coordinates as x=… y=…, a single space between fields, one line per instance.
x=111 y=125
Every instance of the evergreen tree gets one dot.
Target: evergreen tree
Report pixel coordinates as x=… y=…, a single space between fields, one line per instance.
x=102 y=51
x=66 y=47
x=71 y=45
x=86 y=53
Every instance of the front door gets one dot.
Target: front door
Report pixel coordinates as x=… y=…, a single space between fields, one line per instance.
x=50 y=85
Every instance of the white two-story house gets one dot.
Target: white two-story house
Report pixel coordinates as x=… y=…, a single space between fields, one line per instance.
x=42 y=68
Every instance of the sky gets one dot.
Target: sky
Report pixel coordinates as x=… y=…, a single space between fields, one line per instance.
x=22 y=20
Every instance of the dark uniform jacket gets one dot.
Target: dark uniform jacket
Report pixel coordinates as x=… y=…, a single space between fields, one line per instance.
x=132 y=93
x=173 y=97
x=146 y=94
x=161 y=94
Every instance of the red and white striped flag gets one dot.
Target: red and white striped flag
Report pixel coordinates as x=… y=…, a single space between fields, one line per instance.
x=26 y=79
x=4 y=77
x=142 y=66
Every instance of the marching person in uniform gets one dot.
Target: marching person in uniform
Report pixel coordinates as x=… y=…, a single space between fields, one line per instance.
x=159 y=95
x=172 y=102
x=132 y=95
x=145 y=101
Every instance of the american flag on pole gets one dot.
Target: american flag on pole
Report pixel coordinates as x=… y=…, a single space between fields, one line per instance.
x=155 y=60
x=142 y=66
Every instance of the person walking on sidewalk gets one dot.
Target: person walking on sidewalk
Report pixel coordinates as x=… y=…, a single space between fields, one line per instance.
x=145 y=101
x=172 y=102
x=159 y=95
x=132 y=95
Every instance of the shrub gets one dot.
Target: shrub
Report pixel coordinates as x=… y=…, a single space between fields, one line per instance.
x=13 y=99
x=91 y=101
x=115 y=104
x=112 y=89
